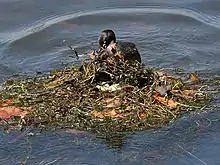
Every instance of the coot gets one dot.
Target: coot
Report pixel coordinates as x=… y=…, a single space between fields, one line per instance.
x=126 y=50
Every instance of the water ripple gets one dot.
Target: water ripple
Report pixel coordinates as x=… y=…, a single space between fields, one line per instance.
x=40 y=25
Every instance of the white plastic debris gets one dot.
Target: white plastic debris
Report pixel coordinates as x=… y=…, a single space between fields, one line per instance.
x=109 y=88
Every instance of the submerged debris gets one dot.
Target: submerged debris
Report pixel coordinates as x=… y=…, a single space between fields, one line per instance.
x=104 y=94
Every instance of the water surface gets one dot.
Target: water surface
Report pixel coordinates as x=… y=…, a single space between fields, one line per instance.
x=169 y=34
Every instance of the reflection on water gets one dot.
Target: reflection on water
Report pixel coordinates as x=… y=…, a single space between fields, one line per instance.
x=174 y=33
x=169 y=34
x=184 y=142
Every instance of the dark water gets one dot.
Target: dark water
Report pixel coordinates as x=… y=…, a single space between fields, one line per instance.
x=169 y=34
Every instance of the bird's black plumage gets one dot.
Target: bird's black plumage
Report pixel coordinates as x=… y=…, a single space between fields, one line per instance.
x=126 y=49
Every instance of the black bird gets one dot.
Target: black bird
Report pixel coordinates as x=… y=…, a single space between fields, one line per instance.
x=128 y=50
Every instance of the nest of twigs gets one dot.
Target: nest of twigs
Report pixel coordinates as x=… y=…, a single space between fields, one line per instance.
x=104 y=94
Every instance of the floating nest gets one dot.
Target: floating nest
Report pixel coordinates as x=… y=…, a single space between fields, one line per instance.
x=105 y=94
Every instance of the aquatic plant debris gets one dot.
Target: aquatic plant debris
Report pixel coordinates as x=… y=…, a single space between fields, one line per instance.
x=103 y=95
